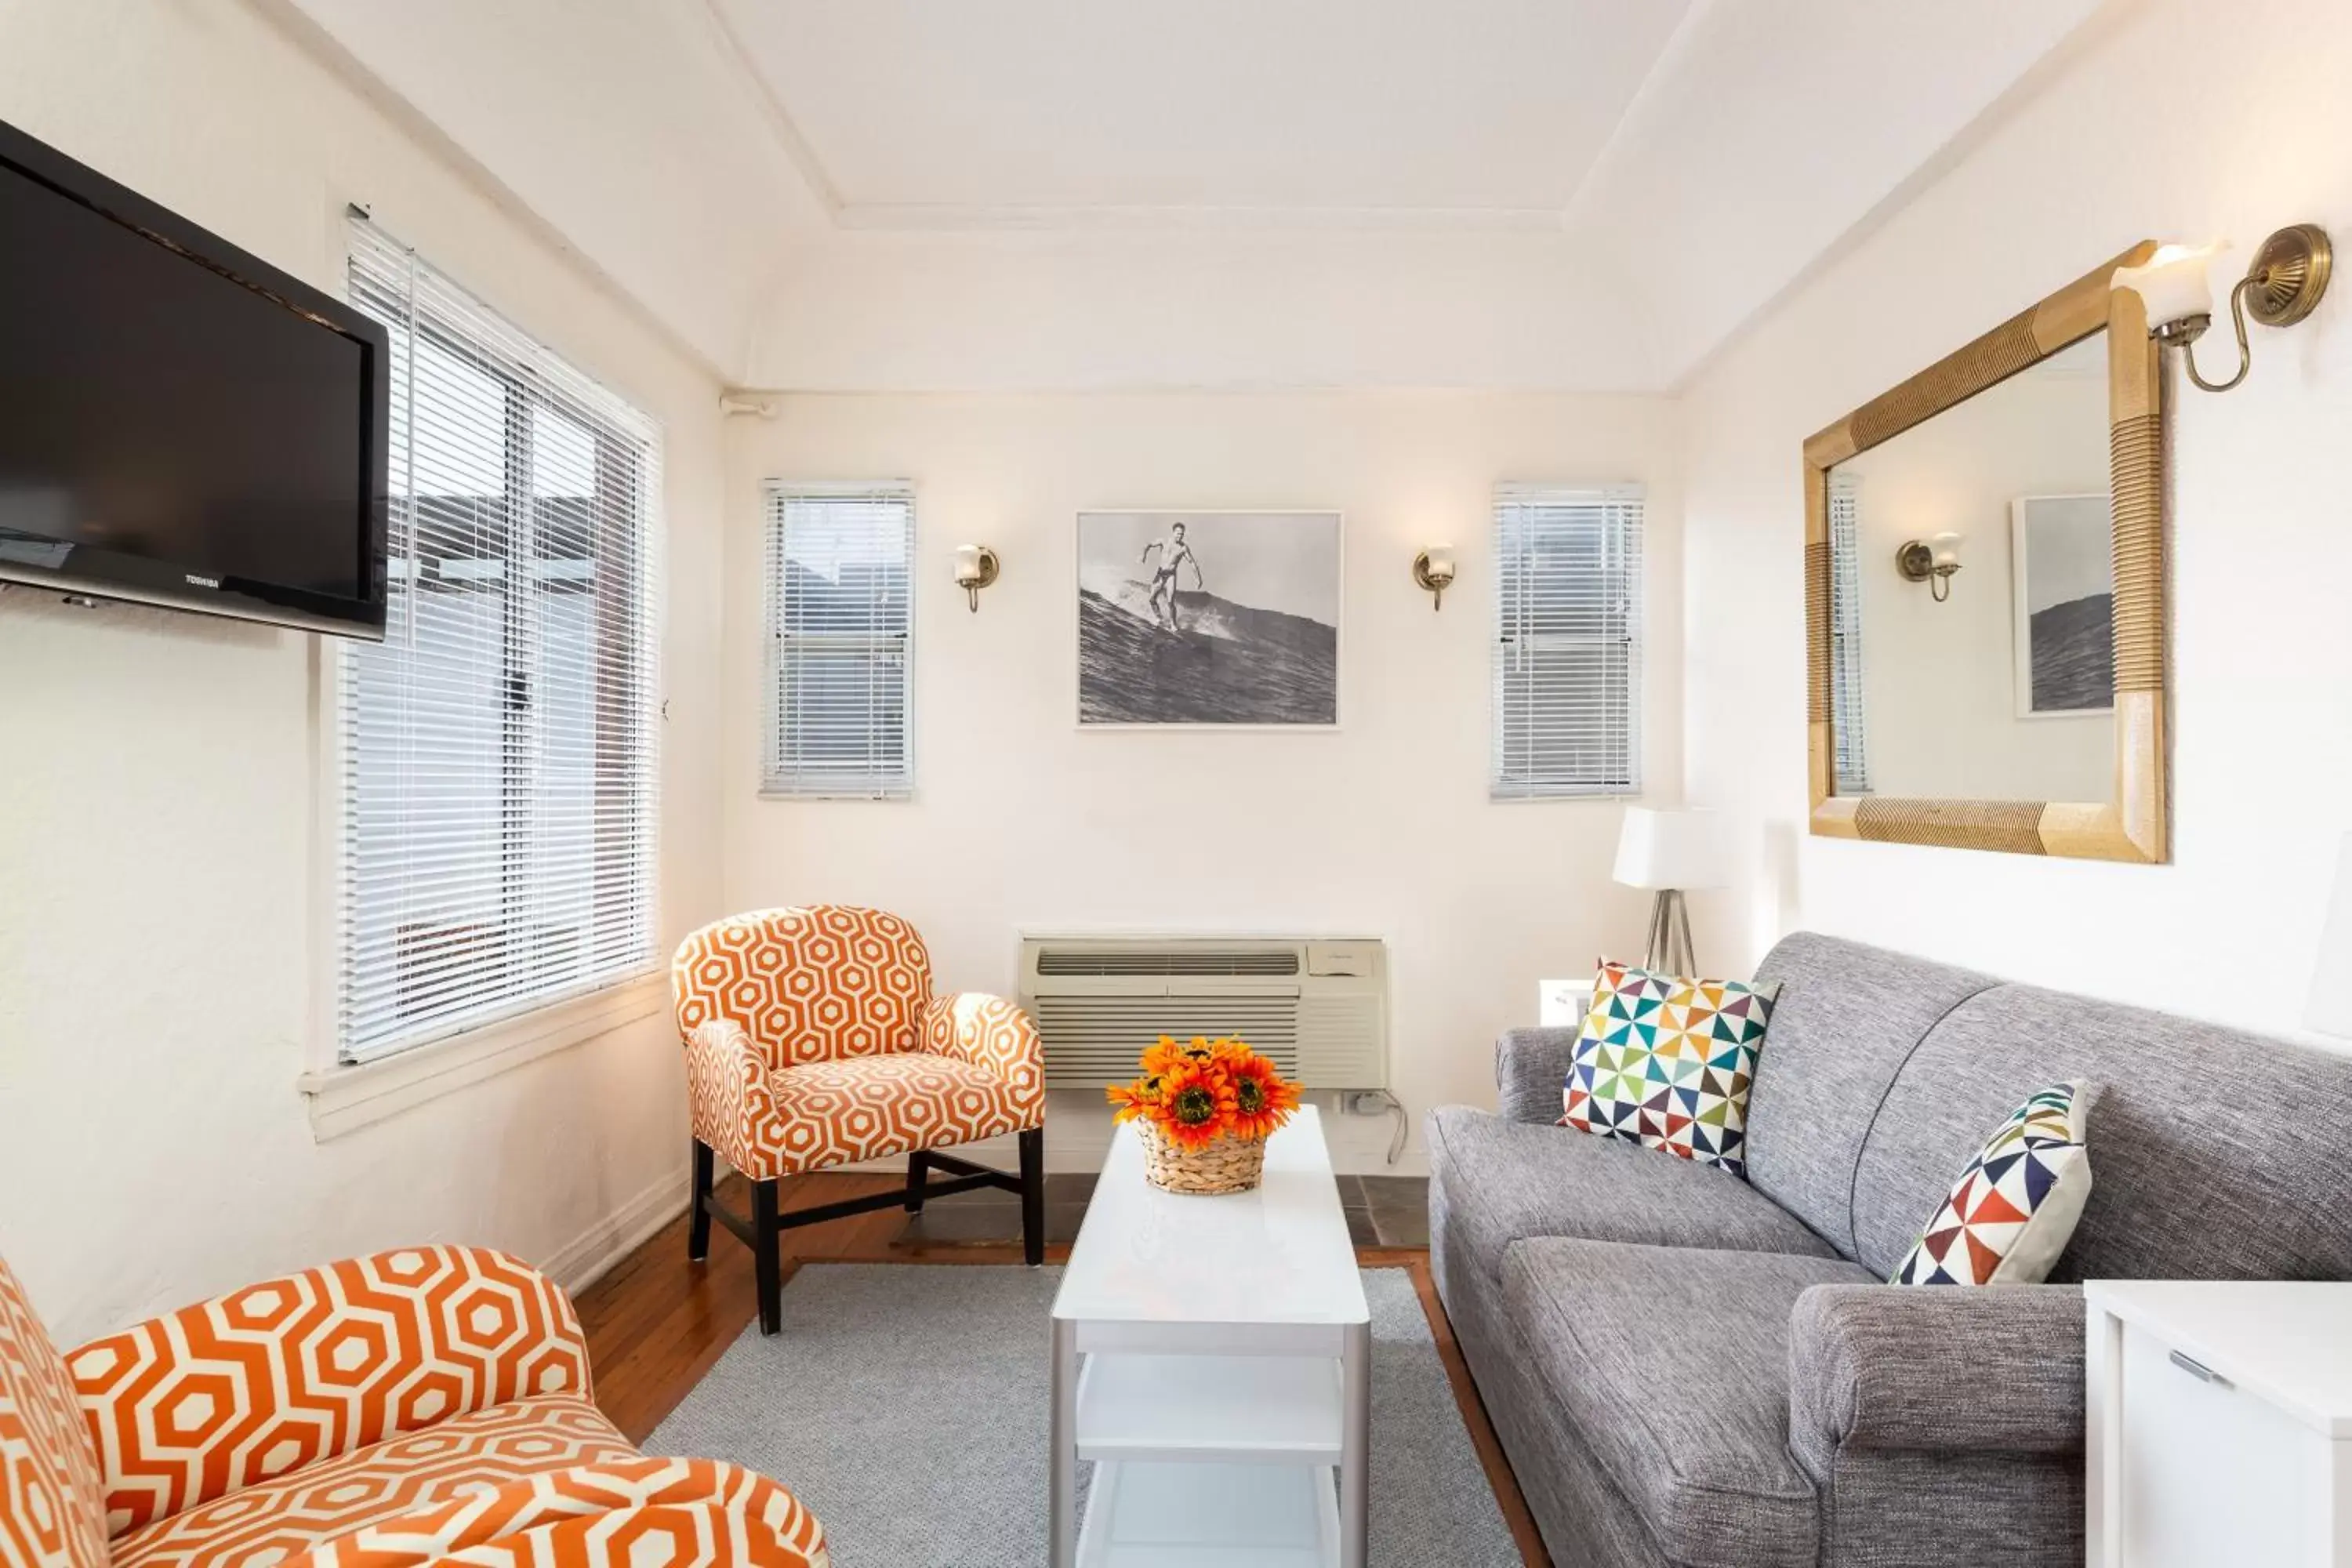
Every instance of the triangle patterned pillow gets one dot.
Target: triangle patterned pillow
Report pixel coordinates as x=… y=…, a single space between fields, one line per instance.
x=1666 y=1063
x=2013 y=1209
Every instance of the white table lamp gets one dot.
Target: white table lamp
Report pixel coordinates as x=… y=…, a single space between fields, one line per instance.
x=2329 y=1009
x=1670 y=852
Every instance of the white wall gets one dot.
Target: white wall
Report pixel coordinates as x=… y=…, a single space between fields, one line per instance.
x=2124 y=141
x=1383 y=827
x=158 y=949
x=1217 y=308
x=1939 y=680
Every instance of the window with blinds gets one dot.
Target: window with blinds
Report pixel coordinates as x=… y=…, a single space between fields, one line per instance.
x=498 y=747
x=1851 y=746
x=1567 y=642
x=840 y=640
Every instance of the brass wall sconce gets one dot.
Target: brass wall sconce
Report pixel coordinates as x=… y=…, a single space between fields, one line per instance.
x=1434 y=570
x=2285 y=285
x=1932 y=561
x=975 y=568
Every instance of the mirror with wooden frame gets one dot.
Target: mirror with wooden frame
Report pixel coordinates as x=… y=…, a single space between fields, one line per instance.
x=1984 y=592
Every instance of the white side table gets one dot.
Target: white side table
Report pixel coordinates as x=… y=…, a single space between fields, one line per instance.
x=2219 y=1424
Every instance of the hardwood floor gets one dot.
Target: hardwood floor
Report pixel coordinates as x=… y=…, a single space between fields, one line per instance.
x=656 y=1324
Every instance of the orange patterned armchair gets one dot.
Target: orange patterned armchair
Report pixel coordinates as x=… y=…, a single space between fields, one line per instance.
x=813 y=1039
x=429 y=1405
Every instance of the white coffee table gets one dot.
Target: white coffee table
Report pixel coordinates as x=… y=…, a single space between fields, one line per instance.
x=1228 y=1331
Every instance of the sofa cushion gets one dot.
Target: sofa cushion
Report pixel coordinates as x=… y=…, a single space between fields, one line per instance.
x=2221 y=1154
x=1673 y=1364
x=1666 y=1062
x=279 y=1521
x=1847 y=1018
x=1498 y=1182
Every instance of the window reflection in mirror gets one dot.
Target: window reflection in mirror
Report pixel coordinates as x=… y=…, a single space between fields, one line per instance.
x=2004 y=689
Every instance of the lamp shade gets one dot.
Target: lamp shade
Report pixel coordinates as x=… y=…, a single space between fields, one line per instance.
x=1670 y=849
x=2329 y=1010
x=2174 y=284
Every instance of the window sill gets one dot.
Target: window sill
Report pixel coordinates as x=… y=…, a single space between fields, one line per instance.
x=345 y=1099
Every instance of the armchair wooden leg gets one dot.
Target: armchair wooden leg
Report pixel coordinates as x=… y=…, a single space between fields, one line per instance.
x=918 y=1167
x=767 y=1236
x=698 y=1230
x=1033 y=1196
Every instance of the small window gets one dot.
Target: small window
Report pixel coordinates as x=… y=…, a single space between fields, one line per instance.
x=499 y=749
x=1567 y=642
x=1846 y=727
x=840 y=639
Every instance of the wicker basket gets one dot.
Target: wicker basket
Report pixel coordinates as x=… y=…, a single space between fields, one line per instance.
x=1230 y=1164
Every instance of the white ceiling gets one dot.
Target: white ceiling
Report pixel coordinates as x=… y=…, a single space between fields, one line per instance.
x=915 y=111
x=772 y=179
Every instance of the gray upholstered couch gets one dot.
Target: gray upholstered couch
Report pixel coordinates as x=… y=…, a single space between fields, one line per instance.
x=1687 y=1368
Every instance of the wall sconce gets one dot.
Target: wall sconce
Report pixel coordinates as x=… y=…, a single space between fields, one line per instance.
x=975 y=568
x=1932 y=561
x=1434 y=570
x=2283 y=285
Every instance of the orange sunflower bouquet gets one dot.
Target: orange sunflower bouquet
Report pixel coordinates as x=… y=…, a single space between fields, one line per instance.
x=1203 y=1110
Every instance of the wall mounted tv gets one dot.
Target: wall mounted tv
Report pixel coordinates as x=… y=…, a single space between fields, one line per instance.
x=180 y=422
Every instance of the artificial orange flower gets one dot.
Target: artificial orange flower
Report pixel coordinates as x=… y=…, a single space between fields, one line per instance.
x=1133 y=1100
x=1163 y=1057
x=1263 y=1099
x=1201 y=1089
x=1196 y=1106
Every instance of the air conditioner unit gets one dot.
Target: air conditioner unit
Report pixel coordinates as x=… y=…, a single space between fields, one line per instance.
x=1317 y=1006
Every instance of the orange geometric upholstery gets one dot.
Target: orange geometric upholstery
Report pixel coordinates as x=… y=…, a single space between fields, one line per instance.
x=424 y=1405
x=809 y=984
x=812 y=1040
x=384 y=1480
x=49 y=1511
x=678 y=1513
x=283 y=1374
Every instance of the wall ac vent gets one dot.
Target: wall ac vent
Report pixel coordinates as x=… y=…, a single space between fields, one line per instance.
x=1060 y=961
x=1319 y=1007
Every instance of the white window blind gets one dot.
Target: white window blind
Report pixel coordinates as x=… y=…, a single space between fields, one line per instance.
x=499 y=753
x=1851 y=738
x=840 y=640
x=1568 y=641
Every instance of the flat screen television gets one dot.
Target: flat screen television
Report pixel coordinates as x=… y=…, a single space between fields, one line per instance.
x=180 y=422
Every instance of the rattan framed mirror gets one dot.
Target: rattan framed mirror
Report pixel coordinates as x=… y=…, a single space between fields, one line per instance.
x=2131 y=823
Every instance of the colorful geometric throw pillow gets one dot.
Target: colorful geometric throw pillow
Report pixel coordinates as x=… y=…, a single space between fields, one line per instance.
x=1666 y=1062
x=2011 y=1212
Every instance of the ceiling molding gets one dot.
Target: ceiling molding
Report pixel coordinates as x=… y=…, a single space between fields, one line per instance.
x=2108 y=18
x=755 y=88
x=1653 y=81
x=1016 y=218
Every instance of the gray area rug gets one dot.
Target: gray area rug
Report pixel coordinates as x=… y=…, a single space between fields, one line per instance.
x=906 y=1404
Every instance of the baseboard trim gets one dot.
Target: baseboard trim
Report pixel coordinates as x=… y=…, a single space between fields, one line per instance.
x=589 y=1257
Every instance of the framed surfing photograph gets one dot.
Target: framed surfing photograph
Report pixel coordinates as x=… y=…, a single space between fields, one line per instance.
x=1209 y=618
x=2062 y=576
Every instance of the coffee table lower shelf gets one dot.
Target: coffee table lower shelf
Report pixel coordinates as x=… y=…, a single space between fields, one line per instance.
x=1149 y=1514
x=1207 y=1461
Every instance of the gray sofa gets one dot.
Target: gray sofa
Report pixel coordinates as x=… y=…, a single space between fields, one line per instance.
x=1686 y=1368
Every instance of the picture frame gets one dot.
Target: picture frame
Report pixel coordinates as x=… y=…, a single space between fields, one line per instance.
x=2061 y=585
x=1209 y=619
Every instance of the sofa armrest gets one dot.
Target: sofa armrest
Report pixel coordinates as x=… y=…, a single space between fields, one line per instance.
x=283 y=1374
x=1993 y=1368
x=1531 y=1072
x=729 y=1099
x=592 y=1516
x=995 y=1035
